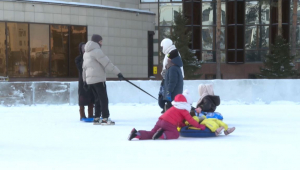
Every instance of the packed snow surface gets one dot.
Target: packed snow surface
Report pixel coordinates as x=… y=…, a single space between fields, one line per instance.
x=51 y=137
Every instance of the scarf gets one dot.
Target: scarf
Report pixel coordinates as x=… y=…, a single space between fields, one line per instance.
x=182 y=105
x=165 y=62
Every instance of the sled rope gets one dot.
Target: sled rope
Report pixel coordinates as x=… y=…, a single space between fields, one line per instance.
x=139 y=88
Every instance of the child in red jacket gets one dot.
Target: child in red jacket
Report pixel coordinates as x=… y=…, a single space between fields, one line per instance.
x=166 y=126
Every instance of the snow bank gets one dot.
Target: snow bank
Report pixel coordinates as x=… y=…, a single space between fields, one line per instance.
x=246 y=91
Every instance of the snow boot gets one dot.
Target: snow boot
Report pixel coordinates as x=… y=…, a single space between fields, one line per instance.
x=219 y=130
x=158 y=134
x=132 y=134
x=104 y=121
x=229 y=130
x=91 y=110
x=81 y=112
x=97 y=121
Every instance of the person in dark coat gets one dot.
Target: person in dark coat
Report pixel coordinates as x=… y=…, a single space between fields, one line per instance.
x=85 y=96
x=170 y=52
x=173 y=84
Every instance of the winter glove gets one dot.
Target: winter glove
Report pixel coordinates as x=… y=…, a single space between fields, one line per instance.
x=85 y=86
x=120 y=76
x=168 y=97
x=202 y=127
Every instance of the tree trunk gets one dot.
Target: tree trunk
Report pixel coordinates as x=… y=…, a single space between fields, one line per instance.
x=218 y=38
x=294 y=27
x=279 y=5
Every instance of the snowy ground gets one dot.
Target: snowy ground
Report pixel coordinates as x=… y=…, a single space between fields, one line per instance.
x=52 y=137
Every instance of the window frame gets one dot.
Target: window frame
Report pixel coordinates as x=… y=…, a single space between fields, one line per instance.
x=6 y=74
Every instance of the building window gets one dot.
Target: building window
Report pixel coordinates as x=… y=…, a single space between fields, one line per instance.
x=16 y=52
x=59 y=35
x=167 y=14
x=203 y=27
x=78 y=35
x=39 y=50
x=256 y=31
x=235 y=31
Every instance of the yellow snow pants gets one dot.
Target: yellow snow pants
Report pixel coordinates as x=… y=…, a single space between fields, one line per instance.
x=212 y=124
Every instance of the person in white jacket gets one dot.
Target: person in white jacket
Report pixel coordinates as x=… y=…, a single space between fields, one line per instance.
x=170 y=51
x=95 y=64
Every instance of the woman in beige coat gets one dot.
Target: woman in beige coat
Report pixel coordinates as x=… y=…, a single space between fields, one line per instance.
x=95 y=65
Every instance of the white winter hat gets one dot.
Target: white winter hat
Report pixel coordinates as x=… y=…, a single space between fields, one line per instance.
x=186 y=94
x=165 y=44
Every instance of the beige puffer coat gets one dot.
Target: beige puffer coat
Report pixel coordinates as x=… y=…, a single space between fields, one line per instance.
x=95 y=64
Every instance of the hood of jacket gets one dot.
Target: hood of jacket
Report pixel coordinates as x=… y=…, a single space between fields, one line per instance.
x=90 y=46
x=176 y=61
x=204 y=90
x=215 y=99
x=167 y=45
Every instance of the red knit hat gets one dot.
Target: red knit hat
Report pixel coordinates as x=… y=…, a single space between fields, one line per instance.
x=180 y=98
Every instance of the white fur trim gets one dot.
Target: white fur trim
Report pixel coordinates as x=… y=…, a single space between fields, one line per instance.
x=182 y=105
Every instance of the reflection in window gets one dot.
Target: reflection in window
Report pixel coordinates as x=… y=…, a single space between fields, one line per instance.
x=207 y=13
x=255 y=56
x=78 y=35
x=208 y=56
x=252 y=13
x=253 y=17
x=291 y=12
x=39 y=50
x=207 y=38
x=59 y=50
x=167 y=12
x=222 y=38
x=17 y=52
x=223 y=8
x=263 y=37
x=297 y=35
x=251 y=37
x=265 y=14
x=2 y=50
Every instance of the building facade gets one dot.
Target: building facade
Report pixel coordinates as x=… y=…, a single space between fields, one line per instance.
x=39 y=38
x=248 y=29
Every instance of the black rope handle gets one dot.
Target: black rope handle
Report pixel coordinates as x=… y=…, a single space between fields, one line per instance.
x=139 y=88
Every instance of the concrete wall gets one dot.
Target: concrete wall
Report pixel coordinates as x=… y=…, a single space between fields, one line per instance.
x=241 y=91
x=124 y=33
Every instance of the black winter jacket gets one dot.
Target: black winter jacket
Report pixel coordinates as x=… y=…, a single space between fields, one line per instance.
x=209 y=103
x=84 y=97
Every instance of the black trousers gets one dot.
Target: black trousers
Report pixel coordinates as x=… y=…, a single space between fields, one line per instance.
x=101 y=99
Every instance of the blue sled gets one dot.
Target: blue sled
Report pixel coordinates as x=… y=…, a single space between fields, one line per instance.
x=87 y=119
x=185 y=132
